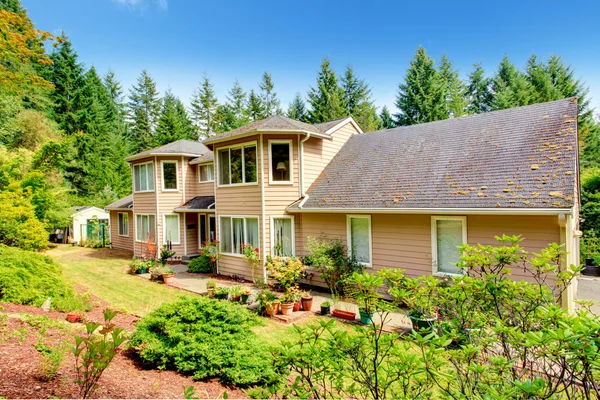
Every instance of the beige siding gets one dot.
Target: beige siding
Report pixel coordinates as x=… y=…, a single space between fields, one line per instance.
x=121 y=242
x=193 y=186
x=144 y=203
x=168 y=201
x=192 y=234
x=318 y=153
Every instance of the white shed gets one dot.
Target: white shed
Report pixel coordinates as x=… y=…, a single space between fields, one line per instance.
x=81 y=219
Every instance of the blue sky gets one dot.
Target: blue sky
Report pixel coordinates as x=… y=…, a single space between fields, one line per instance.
x=178 y=41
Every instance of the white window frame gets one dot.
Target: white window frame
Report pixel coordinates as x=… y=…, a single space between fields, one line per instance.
x=162 y=175
x=153 y=177
x=165 y=227
x=245 y=231
x=291 y=217
x=434 y=250
x=291 y=166
x=119 y=224
x=207 y=166
x=349 y=237
x=135 y=226
x=237 y=146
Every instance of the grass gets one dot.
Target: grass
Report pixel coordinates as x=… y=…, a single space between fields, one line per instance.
x=102 y=273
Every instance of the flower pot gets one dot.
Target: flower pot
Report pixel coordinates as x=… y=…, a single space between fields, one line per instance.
x=325 y=310
x=235 y=299
x=349 y=315
x=221 y=296
x=307 y=303
x=287 y=308
x=296 y=307
x=167 y=278
x=71 y=317
x=420 y=323
x=144 y=271
x=245 y=298
x=211 y=292
x=366 y=317
x=272 y=308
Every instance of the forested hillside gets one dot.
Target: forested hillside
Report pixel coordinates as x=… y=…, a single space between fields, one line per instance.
x=65 y=129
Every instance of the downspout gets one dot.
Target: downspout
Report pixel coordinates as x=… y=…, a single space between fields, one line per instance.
x=262 y=204
x=184 y=214
x=157 y=218
x=303 y=194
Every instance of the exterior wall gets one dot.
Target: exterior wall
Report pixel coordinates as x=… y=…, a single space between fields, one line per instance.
x=169 y=200
x=121 y=242
x=193 y=186
x=143 y=203
x=191 y=219
x=404 y=241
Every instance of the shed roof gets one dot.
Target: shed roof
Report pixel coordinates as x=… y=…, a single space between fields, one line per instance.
x=126 y=203
x=198 y=203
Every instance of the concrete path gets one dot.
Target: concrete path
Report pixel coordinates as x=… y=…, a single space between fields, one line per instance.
x=588 y=288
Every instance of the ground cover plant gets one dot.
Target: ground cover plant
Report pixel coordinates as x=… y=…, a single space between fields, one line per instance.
x=205 y=338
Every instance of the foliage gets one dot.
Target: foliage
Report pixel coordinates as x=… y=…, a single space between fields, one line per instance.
x=234 y=113
x=173 y=122
x=203 y=108
x=93 y=355
x=211 y=249
x=328 y=258
x=251 y=256
x=365 y=287
x=19 y=226
x=51 y=358
x=268 y=96
x=200 y=265
x=297 y=109
x=589 y=246
x=204 y=338
x=144 y=110
x=358 y=102
x=287 y=271
x=479 y=93
x=386 y=121
x=165 y=254
x=265 y=298
x=30 y=278
x=420 y=295
x=327 y=98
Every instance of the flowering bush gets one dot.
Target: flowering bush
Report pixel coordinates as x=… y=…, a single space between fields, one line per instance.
x=251 y=256
x=287 y=271
x=210 y=249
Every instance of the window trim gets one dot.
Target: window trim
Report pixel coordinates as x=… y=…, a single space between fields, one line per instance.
x=119 y=224
x=153 y=177
x=135 y=226
x=164 y=233
x=206 y=165
x=245 y=231
x=349 y=237
x=162 y=175
x=272 y=227
x=290 y=144
x=237 y=146
x=434 y=252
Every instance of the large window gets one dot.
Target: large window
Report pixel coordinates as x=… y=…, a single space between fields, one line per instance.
x=359 y=238
x=206 y=172
x=237 y=231
x=280 y=165
x=237 y=165
x=143 y=177
x=123 y=224
x=447 y=234
x=171 y=230
x=145 y=227
x=169 y=175
x=282 y=237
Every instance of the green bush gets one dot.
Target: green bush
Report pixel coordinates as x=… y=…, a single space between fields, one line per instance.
x=200 y=265
x=207 y=339
x=30 y=278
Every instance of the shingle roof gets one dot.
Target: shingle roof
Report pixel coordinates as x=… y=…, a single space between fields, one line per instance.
x=325 y=126
x=275 y=123
x=523 y=157
x=206 y=157
x=198 y=203
x=179 y=147
x=122 y=204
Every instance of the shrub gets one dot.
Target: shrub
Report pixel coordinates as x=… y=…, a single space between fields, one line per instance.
x=287 y=271
x=204 y=338
x=200 y=265
x=19 y=226
x=30 y=278
x=589 y=246
x=51 y=358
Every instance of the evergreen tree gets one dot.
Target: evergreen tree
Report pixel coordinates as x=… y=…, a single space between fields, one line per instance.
x=115 y=92
x=66 y=74
x=297 y=109
x=13 y=6
x=271 y=105
x=357 y=99
x=204 y=109
x=510 y=87
x=326 y=100
x=422 y=96
x=256 y=109
x=173 y=123
x=456 y=102
x=144 y=109
x=479 y=92
x=385 y=119
x=234 y=112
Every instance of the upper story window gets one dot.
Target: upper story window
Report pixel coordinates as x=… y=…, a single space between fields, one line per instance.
x=169 y=175
x=237 y=165
x=206 y=172
x=143 y=177
x=280 y=162
x=447 y=234
x=359 y=238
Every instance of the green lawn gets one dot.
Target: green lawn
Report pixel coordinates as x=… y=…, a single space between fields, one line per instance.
x=102 y=273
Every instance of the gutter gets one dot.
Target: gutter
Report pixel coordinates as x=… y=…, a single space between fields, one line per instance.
x=261 y=131
x=455 y=211
x=193 y=210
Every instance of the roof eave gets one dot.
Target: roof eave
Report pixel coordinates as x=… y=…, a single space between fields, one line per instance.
x=454 y=211
x=195 y=210
x=138 y=157
x=192 y=162
x=117 y=209
x=258 y=131
x=342 y=123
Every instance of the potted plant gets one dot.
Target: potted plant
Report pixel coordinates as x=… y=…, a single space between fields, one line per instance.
x=165 y=254
x=267 y=302
x=245 y=293
x=211 y=286
x=339 y=313
x=325 y=308
x=306 y=300
x=287 y=271
x=73 y=317
x=222 y=293
x=420 y=296
x=294 y=294
x=287 y=303
x=235 y=293
x=167 y=275
x=365 y=293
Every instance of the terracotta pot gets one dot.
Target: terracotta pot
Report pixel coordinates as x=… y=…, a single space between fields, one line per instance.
x=167 y=278
x=73 y=318
x=296 y=306
x=234 y=298
x=272 y=309
x=307 y=303
x=349 y=315
x=287 y=308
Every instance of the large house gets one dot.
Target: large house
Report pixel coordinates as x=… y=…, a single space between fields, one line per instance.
x=398 y=198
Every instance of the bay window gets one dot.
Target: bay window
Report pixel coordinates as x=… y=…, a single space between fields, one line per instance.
x=145 y=227
x=280 y=161
x=123 y=224
x=282 y=236
x=169 y=175
x=447 y=234
x=359 y=238
x=237 y=165
x=237 y=231
x=171 y=228
x=143 y=177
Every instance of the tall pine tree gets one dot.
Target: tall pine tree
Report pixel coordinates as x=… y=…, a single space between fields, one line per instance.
x=385 y=119
x=234 y=113
x=422 y=96
x=357 y=99
x=326 y=100
x=456 y=102
x=173 y=123
x=479 y=93
x=271 y=105
x=256 y=108
x=204 y=109
x=144 y=109
x=297 y=109
x=510 y=87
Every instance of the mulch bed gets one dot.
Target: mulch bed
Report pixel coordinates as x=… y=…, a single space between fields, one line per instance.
x=19 y=366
